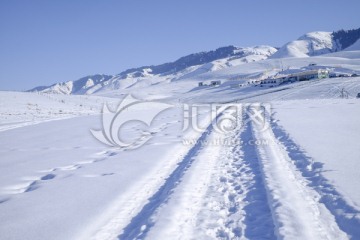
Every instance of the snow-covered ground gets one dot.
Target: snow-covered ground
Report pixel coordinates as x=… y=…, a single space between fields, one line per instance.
x=19 y=109
x=295 y=176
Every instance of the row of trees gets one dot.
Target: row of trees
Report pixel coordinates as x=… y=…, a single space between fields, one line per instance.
x=346 y=37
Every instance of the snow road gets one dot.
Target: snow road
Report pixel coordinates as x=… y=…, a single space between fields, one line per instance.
x=296 y=210
x=255 y=191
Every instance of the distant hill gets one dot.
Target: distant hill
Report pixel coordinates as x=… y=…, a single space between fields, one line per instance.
x=194 y=65
x=190 y=65
x=317 y=43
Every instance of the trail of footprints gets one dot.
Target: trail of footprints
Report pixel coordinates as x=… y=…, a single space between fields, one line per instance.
x=236 y=206
x=33 y=183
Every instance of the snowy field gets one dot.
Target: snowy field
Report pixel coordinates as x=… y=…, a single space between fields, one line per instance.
x=296 y=178
x=21 y=109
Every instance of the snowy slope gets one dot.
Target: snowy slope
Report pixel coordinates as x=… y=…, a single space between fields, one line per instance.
x=210 y=200
x=19 y=109
x=310 y=44
x=187 y=89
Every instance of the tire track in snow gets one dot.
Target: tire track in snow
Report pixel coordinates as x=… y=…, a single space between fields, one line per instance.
x=295 y=207
x=177 y=219
x=258 y=219
x=236 y=204
x=140 y=224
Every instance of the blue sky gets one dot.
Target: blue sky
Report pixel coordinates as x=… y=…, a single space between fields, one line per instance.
x=43 y=42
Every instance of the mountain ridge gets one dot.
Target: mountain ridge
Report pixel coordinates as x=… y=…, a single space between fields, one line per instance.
x=192 y=65
x=92 y=83
x=318 y=43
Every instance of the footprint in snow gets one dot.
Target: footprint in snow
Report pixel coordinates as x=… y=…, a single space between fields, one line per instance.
x=28 y=186
x=48 y=177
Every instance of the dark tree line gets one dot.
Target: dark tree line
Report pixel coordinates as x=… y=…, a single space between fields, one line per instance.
x=346 y=37
x=190 y=60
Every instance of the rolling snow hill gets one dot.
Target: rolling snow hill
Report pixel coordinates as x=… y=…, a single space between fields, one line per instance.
x=311 y=44
x=199 y=64
x=318 y=43
x=85 y=85
x=184 y=67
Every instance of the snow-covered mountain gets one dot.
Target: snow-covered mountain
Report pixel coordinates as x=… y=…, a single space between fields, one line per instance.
x=310 y=44
x=198 y=65
x=318 y=43
x=187 y=66
x=85 y=85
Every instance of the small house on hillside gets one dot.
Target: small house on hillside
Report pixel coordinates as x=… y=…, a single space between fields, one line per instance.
x=215 y=83
x=271 y=82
